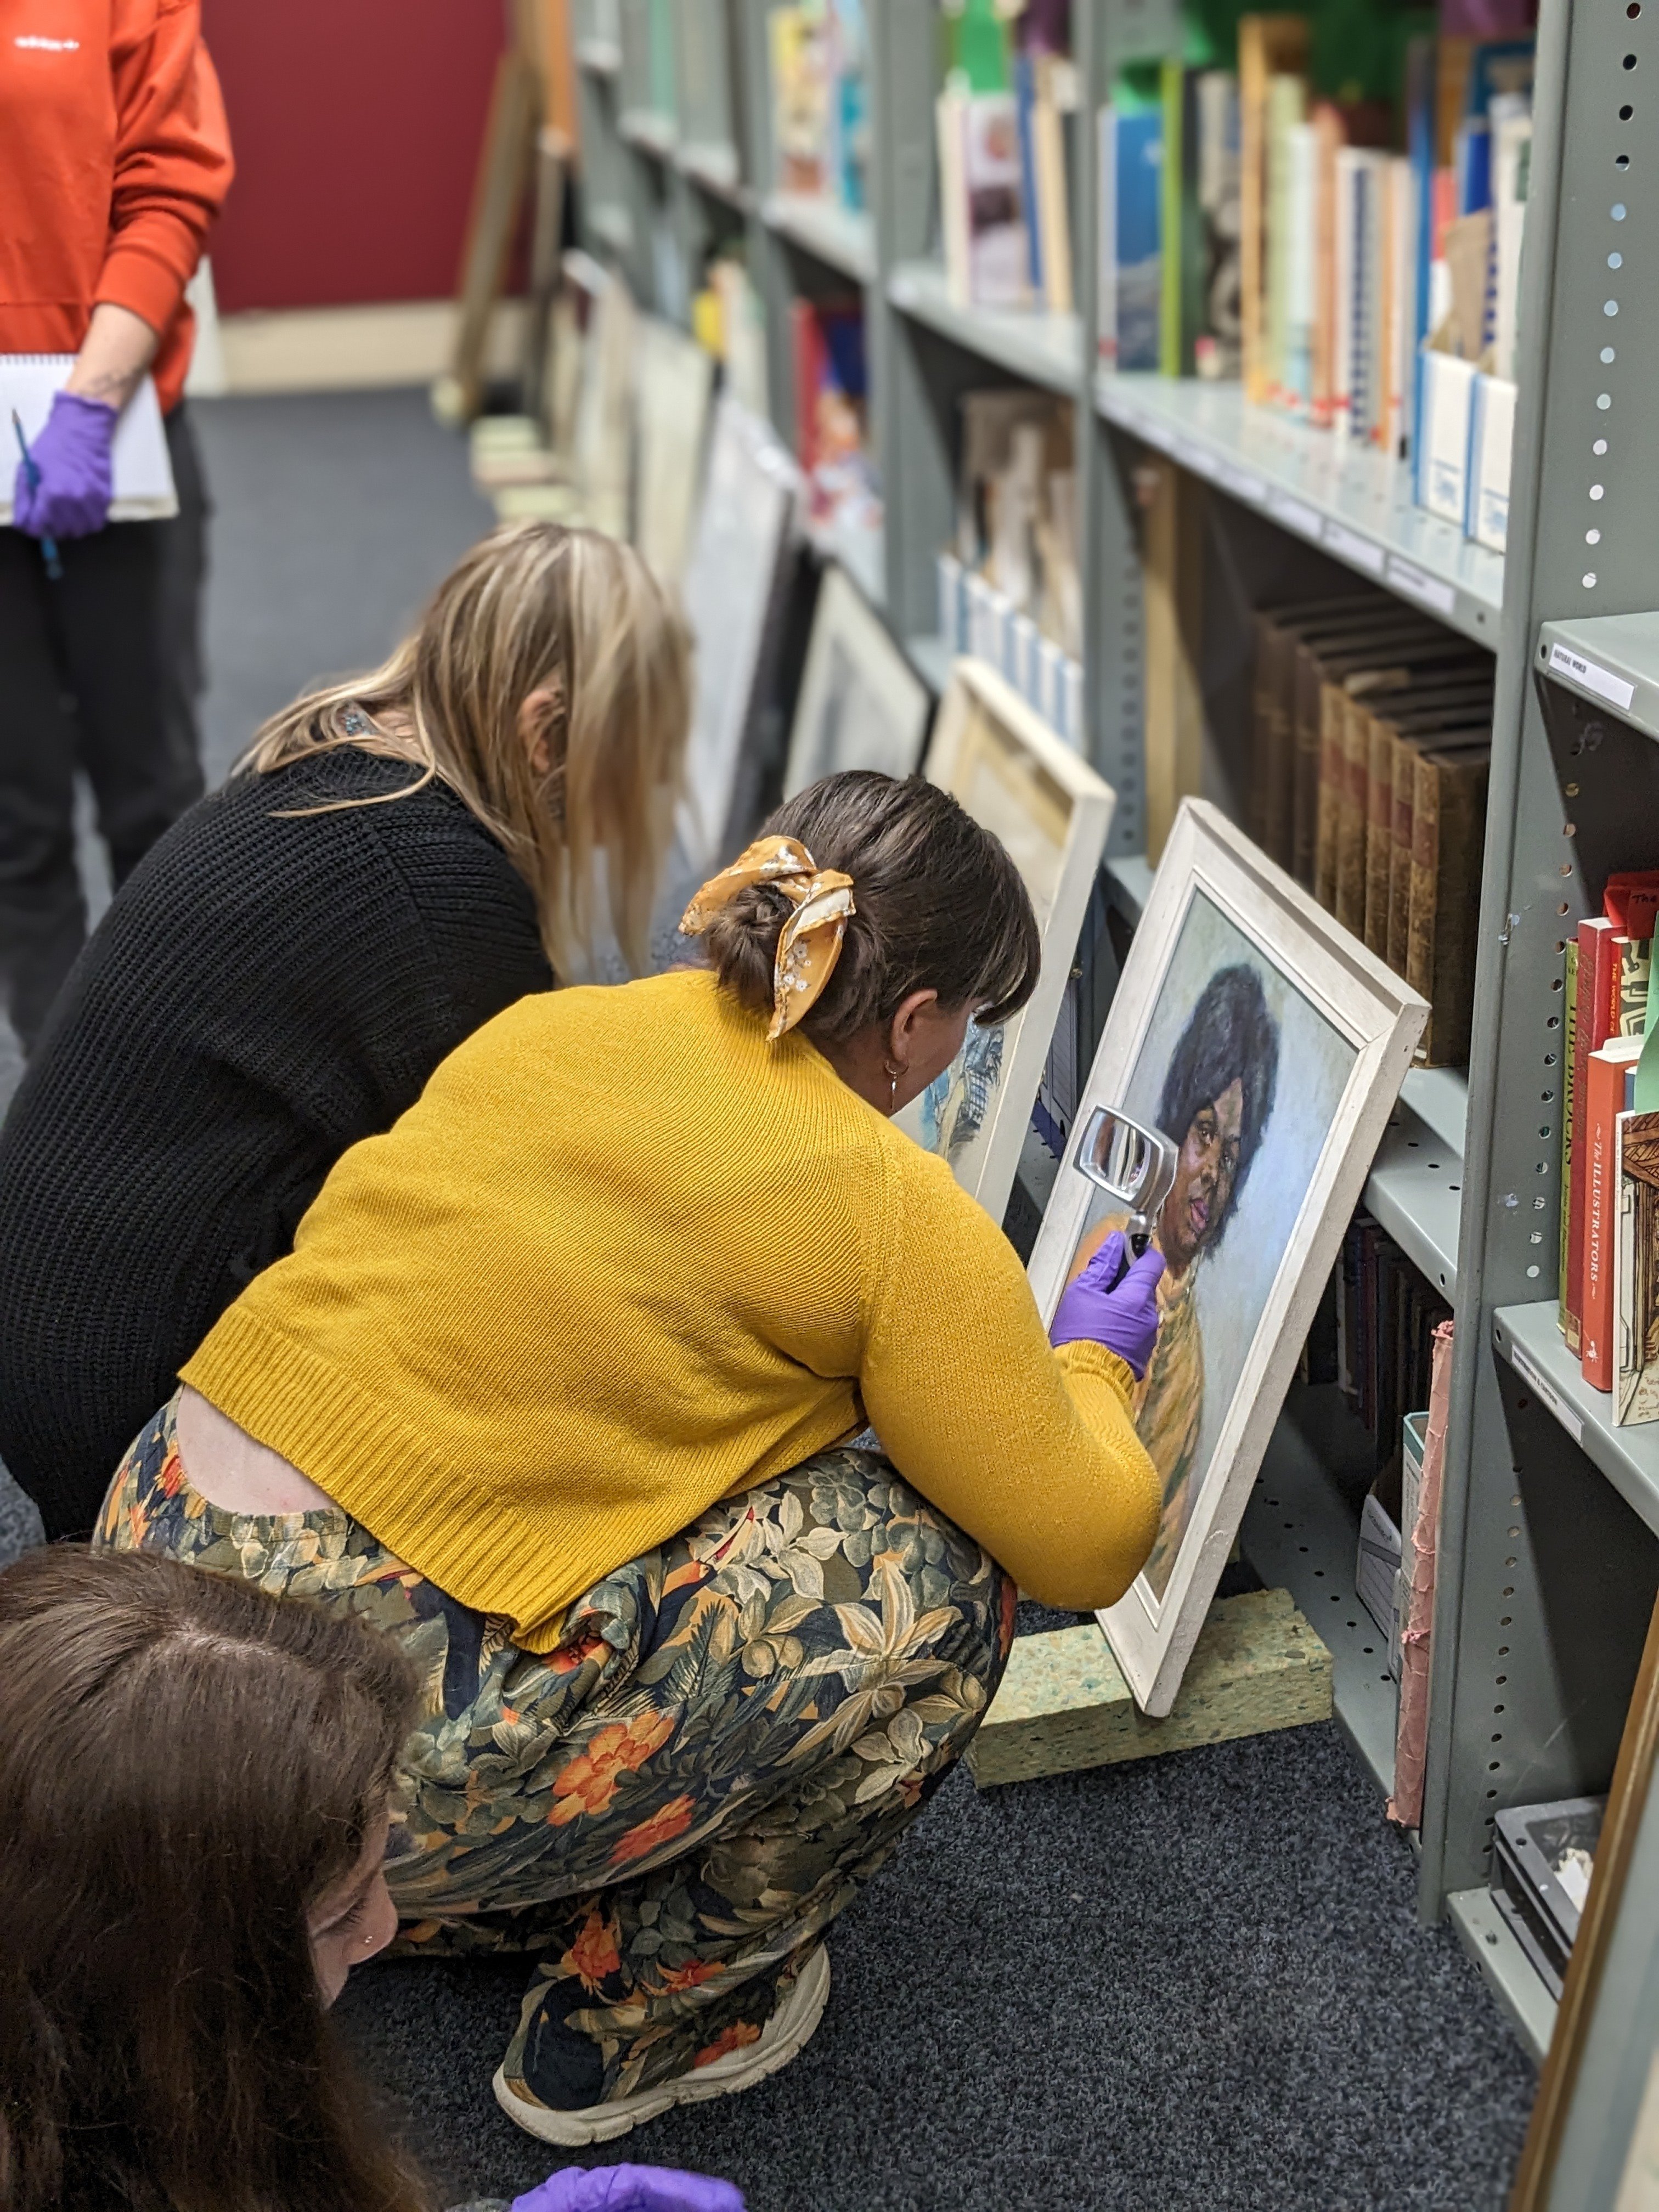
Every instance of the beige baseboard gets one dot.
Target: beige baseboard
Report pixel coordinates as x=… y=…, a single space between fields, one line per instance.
x=352 y=349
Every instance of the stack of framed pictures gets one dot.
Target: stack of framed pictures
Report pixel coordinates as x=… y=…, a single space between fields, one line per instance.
x=995 y=754
x=1269 y=1046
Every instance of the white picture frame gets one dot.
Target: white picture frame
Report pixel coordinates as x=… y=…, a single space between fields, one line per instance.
x=996 y=754
x=860 y=703
x=1310 y=1112
x=673 y=390
x=748 y=519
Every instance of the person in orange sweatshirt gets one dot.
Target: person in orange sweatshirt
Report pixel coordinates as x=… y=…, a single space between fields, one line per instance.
x=114 y=158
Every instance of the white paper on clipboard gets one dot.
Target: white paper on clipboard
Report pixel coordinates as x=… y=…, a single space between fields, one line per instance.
x=143 y=474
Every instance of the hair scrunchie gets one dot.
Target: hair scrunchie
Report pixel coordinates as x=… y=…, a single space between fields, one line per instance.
x=809 y=943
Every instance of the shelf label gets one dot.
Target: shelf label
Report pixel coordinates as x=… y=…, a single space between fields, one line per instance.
x=1193 y=457
x=1569 y=1420
x=1359 y=552
x=1589 y=678
x=1427 y=591
x=1242 y=484
x=1294 y=515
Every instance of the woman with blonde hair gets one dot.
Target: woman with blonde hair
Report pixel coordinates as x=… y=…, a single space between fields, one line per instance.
x=399 y=857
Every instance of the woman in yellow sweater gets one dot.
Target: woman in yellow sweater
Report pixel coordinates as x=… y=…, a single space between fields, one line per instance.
x=557 y=1386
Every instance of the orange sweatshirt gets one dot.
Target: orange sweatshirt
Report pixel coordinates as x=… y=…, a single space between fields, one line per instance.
x=114 y=158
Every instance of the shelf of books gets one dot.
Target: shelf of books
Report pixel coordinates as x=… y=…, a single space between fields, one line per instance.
x=1047 y=349
x=1612 y=660
x=1530 y=1337
x=1355 y=504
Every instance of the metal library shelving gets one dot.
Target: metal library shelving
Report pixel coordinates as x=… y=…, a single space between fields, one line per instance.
x=1549 y=1551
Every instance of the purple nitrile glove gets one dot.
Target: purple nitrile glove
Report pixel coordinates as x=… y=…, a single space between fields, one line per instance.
x=71 y=458
x=629 y=2188
x=1124 y=1320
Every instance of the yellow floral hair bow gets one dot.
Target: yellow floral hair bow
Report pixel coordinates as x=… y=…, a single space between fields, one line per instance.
x=809 y=943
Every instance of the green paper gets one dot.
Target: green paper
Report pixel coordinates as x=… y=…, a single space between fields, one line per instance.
x=1647 y=1067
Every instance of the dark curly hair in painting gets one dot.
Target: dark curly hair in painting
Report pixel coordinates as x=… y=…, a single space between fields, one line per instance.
x=1230 y=1038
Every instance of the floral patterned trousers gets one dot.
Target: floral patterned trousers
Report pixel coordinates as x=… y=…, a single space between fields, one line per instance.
x=669 y=1809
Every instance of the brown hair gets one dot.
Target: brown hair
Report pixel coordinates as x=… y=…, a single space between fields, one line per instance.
x=532 y=607
x=186 y=1766
x=940 y=906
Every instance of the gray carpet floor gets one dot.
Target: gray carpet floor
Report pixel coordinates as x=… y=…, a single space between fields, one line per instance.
x=1191 y=1985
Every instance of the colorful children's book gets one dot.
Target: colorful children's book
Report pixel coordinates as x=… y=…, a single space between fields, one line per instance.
x=1635 y=1270
x=1131 y=167
x=1217 y=337
x=1603 y=1097
x=1592 y=1026
x=1268 y=45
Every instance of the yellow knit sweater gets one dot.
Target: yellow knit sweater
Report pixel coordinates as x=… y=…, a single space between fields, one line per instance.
x=623 y=1258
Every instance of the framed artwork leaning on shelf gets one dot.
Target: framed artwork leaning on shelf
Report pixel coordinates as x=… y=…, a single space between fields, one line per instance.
x=672 y=392
x=997 y=755
x=861 y=704
x=1270 y=1047
x=747 y=528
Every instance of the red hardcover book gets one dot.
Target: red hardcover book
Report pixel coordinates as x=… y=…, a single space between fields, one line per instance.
x=1597 y=970
x=1631 y=900
x=1604 y=1101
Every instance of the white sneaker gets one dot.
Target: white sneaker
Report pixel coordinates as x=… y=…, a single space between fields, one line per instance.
x=785 y=2035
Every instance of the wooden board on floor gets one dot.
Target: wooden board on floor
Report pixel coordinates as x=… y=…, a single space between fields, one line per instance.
x=1064 y=1703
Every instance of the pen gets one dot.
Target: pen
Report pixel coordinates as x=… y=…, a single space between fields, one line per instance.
x=48 y=545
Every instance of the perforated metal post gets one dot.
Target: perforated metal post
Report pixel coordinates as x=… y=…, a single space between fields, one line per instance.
x=1546 y=1574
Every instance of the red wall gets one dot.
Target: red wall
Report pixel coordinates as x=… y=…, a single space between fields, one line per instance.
x=356 y=126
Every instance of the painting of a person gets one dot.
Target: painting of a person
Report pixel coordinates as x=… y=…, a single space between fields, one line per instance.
x=1217 y=1097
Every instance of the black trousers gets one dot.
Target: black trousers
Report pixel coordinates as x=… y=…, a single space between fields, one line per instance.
x=100 y=671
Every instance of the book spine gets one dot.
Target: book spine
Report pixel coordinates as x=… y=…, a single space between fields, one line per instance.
x=1589 y=1033
x=1268 y=638
x=1400 y=854
x=1333 y=775
x=1350 y=831
x=1460 y=836
x=1379 y=835
x=1024 y=103
x=1106 y=236
x=1569 y=1102
x=1604 y=1099
x=1305 y=762
x=1170 y=210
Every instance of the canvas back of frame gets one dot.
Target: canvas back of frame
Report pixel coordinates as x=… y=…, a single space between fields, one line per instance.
x=1052 y=811
x=1269 y=1047
x=675 y=379
x=861 y=704
x=745 y=520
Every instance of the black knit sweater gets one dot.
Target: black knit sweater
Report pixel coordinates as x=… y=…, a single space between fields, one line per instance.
x=261 y=995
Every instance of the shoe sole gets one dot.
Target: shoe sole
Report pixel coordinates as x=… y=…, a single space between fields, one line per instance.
x=603 y=2123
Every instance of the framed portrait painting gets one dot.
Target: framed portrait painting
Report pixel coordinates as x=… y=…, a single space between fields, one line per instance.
x=860 y=703
x=992 y=751
x=1269 y=1047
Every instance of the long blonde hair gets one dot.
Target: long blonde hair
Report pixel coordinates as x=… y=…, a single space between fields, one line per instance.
x=533 y=607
